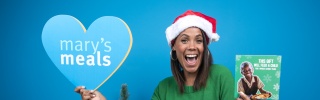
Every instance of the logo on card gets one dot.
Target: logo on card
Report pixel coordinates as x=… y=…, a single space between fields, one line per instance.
x=89 y=56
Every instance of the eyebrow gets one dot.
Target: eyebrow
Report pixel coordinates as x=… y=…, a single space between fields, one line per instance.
x=199 y=35
x=184 y=35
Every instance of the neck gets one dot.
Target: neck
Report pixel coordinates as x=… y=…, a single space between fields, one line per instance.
x=190 y=78
x=249 y=78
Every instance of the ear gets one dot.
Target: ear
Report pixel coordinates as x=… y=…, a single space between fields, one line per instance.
x=173 y=48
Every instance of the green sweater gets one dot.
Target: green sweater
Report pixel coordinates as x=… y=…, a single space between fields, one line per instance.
x=220 y=86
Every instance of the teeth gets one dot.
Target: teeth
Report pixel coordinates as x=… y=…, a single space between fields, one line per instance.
x=191 y=55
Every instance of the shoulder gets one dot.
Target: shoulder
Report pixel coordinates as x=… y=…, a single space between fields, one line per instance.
x=222 y=80
x=220 y=72
x=166 y=81
x=219 y=69
x=240 y=80
x=163 y=87
x=257 y=77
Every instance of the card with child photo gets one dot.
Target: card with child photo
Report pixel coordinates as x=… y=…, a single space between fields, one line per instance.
x=257 y=77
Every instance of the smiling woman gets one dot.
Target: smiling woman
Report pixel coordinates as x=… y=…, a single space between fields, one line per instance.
x=195 y=77
x=189 y=51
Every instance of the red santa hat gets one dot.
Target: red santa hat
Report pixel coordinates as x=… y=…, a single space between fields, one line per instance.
x=192 y=19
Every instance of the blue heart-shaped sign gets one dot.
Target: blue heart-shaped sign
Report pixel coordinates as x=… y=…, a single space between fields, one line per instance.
x=87 y=57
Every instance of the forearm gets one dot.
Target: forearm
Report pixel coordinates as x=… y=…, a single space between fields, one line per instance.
x=244 y=96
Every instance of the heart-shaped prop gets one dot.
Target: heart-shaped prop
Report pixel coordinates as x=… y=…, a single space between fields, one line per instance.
x=87 y=57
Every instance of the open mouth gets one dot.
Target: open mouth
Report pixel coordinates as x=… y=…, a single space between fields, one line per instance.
x=191 y=59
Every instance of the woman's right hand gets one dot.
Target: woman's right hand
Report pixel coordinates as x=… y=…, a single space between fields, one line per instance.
x=89 y=94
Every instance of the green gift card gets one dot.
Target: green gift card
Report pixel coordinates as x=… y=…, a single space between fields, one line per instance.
x=256 y=72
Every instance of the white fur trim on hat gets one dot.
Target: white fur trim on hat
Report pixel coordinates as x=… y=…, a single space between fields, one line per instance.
x=189 y=21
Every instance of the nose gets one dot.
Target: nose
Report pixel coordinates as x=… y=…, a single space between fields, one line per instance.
x=192 y=46
x=246 y=71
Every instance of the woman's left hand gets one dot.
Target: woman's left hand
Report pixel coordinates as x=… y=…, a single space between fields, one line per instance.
x=89 y=94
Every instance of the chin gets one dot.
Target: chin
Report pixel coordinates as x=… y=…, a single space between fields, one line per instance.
x=248 y=75
x=192 y=69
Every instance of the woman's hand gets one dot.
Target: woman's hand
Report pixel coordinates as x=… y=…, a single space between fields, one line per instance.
x=89 y=94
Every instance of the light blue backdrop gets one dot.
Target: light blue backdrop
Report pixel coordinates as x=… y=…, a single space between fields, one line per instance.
x=289 y=28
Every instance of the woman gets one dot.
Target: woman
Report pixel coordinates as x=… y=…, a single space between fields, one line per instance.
x=194 y=75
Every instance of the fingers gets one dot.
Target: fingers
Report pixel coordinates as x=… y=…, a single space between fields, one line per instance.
x=83 y=91
x=93 y=95
x=85 y=94
x=270 y=94
x=77 y=89
x=86 y=98
x=90 y=95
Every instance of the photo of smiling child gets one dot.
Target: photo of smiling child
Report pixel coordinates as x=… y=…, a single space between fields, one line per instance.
x=257 y=77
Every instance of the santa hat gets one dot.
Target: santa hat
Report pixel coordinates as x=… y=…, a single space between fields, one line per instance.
x=192 y=19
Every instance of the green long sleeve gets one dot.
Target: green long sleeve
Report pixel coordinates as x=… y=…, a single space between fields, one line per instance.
x=220 y=86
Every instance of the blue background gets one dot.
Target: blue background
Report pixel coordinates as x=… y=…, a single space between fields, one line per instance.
x=264 y=27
